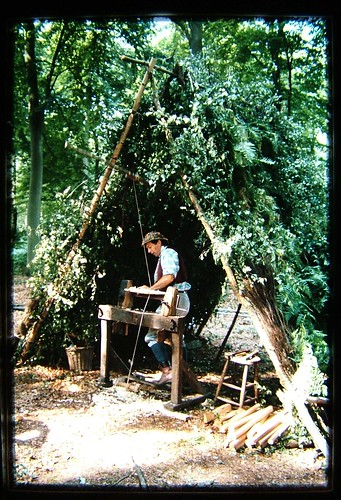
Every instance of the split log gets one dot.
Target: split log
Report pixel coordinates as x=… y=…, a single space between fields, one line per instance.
x=235 y=433
x=209 y=416
x=254 y=429
x=263 y=441
x=278 y=431
x=230 y=417
x=236 y=444
x=241 y=420
x=234 y=414
x=34 y=331
x=269 y=425
x=254 y=426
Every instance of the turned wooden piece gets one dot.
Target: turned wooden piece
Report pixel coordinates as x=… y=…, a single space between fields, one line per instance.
x=170 y=300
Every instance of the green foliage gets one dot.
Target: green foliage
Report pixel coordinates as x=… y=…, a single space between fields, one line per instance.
x=71 y=287
x=242 y=120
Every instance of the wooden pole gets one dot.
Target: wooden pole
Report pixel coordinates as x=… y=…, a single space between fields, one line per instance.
x=145 y=63
x=33 y=333
x=89 y=154
x=105 y=342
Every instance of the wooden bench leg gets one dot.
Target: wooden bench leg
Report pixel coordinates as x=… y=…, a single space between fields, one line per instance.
x=243 y=386
x=255 y=381
x=176 y=389
x=223 y=375
x=105 y=342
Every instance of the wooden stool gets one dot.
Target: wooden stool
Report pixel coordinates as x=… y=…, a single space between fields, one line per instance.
x=246 y=361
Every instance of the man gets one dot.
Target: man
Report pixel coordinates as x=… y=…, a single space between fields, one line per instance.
x=169 y=271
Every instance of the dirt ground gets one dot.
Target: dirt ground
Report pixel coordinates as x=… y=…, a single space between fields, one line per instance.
x=70 y=431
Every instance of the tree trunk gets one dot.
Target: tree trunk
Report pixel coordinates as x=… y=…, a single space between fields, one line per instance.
x=192 y=30
x=36 y=116
x=195 y=40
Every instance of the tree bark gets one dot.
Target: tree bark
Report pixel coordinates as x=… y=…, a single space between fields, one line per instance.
x=195 y=40
x=37 y=103
x=36 y=117
x=192 y=30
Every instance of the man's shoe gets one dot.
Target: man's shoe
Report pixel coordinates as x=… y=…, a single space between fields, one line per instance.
x=166 y=376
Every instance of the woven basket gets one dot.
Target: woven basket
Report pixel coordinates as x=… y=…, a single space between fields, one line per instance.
x=79 y=358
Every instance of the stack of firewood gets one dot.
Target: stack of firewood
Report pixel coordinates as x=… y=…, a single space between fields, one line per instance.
x=254 y=426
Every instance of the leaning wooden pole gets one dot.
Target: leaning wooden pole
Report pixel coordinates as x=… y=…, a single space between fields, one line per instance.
x=34 y=330
x=280 y=358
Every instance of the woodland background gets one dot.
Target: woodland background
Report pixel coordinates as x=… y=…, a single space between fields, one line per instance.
x=236 y=116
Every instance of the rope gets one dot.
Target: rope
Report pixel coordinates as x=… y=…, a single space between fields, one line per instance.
x=137 y=339
x=141 y=230
x=149 y=280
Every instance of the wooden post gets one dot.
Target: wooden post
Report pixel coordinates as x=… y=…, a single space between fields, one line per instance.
x=105 y=342
x=125 y=299
x=177 y=350
x=169 y=309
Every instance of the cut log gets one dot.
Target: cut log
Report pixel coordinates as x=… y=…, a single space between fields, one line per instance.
x=236 y=433
x=223 y=409
x=228 y=418
x=254 y=429
x=273 y=434
x=269 y=425
x=232 y=414
x=235 y=424
x=236 y=444
x=263 y=441
x=217 y=413
x=278 y=431
x=235 y=415
x=209 y=416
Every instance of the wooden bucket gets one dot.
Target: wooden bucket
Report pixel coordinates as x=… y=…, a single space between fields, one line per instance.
x=79 y=358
